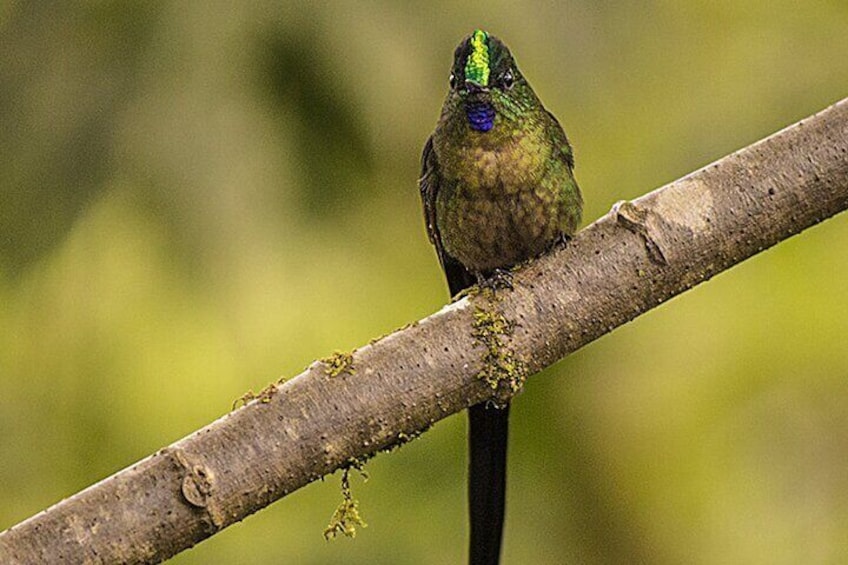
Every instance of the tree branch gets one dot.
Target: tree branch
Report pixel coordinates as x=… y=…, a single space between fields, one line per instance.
x=629 y=261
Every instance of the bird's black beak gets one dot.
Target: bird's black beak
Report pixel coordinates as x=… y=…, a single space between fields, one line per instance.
x=472 y=87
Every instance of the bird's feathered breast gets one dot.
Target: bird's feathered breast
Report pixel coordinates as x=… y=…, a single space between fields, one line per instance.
x=501 y=159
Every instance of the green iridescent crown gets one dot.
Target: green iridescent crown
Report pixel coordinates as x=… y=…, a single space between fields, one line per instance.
x=477 y=64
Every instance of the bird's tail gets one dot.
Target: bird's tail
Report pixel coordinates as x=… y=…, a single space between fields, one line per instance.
x=487 y=437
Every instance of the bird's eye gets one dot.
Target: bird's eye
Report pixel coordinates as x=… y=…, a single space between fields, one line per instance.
x=452 y=80
x=507 y=79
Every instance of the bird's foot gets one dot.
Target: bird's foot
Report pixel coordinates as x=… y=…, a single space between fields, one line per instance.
x=562 y=240
x=498 y=279
x=559 y=242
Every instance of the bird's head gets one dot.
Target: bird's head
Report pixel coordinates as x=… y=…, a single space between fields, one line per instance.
x=485 y=83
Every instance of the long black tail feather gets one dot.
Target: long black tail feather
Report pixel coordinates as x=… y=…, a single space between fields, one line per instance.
x=487 y=439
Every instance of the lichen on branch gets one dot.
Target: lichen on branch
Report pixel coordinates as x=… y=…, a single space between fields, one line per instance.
x=492 y=330
x=337 y=363
x=346 y=517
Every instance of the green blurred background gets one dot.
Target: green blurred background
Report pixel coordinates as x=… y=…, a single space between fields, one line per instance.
x=197 y=198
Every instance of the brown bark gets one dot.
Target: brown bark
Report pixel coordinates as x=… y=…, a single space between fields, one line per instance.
x=629 y=261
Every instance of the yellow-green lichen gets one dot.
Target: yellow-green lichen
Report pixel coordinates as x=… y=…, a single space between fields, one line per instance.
x=337 y=363
x=264 y=395
x=402 y=439
x=244 y=399
x=346 y=517
x=400 y=329
x=501 y=365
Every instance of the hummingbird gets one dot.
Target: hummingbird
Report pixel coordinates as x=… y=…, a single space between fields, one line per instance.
x=498 y=188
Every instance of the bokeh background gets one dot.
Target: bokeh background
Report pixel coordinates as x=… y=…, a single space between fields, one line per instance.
x=199 y=197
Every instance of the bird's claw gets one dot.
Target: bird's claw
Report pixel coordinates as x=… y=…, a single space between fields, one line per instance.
x=499 y=279
x=561 y=241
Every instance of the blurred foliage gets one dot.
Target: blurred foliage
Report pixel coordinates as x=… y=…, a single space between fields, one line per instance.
x=330 y=140
x=196 y=198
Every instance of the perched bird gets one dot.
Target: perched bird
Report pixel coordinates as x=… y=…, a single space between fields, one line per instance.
x=497 y=188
